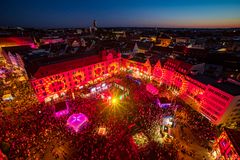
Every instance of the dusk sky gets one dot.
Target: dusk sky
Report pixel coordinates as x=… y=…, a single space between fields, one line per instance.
x=122 y=13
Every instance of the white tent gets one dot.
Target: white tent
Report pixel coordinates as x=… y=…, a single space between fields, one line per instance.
x=22 y=78
x=7 y=97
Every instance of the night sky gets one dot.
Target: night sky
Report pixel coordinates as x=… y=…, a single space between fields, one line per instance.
x=120 y=13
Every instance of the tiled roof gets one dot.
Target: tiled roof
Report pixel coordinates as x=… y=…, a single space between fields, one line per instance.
x=44 y=67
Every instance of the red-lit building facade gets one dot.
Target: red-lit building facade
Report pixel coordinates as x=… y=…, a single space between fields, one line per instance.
x=227 y=146
x=217 y=103
x=194 y=92
x=138 y=69
x=54 y=80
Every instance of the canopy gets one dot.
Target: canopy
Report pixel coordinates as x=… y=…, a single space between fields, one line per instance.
x=76 y=121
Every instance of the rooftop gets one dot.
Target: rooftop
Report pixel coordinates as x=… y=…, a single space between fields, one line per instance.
x=203 y=79
x=162 y=49
x=22 y=50
x=138 y=59
x=46 y=66
x=228 y=87
x=225 y=86
x=144 y=45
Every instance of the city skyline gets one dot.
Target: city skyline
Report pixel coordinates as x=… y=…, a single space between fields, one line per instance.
x=129 y=79
x=167 y=14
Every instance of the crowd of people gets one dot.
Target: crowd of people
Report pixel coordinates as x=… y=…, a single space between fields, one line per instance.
x=37 y=134
x=200 y=126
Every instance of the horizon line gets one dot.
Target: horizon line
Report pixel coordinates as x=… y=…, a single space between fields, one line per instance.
x=73 y=27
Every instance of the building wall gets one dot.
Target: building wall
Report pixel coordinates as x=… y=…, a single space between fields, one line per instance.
x=54 y=86
x=20 y=62
x=158 y=73
x=194 y=93
x=143 y=68
x=232 y=114
x=6 y=57
x=172 y=64
x=2 y=59
x=13 y=59
x=223 y=148
x=215 y=104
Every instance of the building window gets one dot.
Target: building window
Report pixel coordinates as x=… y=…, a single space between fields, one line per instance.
x=213 y=117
